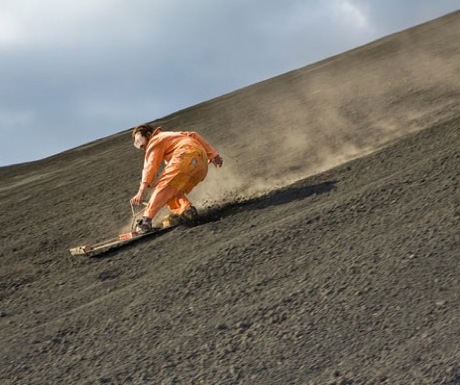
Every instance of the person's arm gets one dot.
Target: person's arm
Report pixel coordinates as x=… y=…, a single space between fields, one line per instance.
x=152 y=162
x=212 y=155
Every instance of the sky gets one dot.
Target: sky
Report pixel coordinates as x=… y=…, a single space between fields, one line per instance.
x=72 y=72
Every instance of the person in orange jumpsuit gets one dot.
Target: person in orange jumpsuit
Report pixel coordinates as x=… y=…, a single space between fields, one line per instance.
x=186 y=156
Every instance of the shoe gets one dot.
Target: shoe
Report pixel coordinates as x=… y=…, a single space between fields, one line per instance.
x=190 y=215
x=144 y=225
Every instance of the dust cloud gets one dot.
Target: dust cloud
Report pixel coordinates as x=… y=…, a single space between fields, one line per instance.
x=326 y=119
x=309 y=120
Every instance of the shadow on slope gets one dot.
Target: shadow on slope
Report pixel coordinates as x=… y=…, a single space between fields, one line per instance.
x=296 y=191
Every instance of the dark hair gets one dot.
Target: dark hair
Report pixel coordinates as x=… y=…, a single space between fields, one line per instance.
x=144 y=129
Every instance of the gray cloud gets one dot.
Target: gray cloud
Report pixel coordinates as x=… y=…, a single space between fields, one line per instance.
x=72 y=75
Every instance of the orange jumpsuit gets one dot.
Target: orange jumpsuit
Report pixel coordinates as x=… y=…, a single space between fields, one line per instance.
x=186 y=156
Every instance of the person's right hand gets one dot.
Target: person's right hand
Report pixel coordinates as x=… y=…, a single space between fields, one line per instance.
x=136 y=200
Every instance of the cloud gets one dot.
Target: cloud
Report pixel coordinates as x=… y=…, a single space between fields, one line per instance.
x=353 y=15
x=393 y=15
x=9 y=29
x=11 y=118
x=51 y=21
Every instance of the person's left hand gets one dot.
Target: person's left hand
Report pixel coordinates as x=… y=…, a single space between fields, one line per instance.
x=217 y=161
x=137 y=199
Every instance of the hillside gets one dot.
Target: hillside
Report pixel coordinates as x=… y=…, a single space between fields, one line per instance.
x=334 y=258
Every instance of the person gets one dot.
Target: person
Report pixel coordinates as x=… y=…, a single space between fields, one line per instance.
x=186 y=156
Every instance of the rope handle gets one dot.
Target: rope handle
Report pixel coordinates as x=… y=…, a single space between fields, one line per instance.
x=133 y=223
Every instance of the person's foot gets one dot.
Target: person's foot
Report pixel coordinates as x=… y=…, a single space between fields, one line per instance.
x=190 y=215
x=144 y=225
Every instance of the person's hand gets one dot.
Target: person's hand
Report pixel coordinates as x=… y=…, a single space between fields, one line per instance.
x=137 y=199
x=217 y=161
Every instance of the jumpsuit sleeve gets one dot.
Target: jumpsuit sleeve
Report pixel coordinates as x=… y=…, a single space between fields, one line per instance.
x=152 y=162
x=211 y=153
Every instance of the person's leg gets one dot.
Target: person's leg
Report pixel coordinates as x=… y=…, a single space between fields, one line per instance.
x=178 y=178
x=160 y=197
x=192 y=170
x=179 y=203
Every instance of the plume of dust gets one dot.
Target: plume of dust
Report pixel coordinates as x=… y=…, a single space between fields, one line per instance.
x=329 y=119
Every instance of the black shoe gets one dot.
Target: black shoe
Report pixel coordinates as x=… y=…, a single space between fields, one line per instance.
x=144 y=225
x=190 y=215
